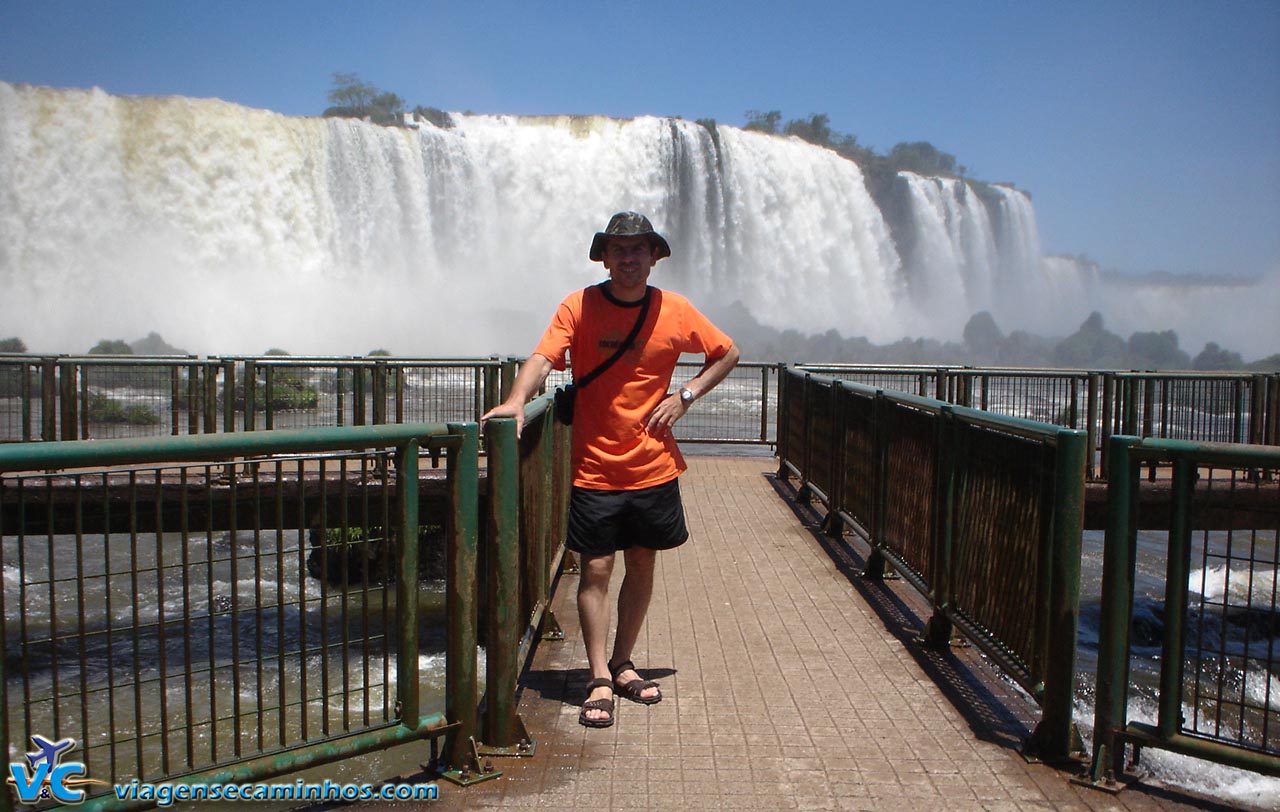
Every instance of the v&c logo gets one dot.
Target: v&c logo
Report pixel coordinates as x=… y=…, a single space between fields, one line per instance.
x=46 y=775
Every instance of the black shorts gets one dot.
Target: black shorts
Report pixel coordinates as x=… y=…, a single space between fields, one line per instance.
x=603 y=522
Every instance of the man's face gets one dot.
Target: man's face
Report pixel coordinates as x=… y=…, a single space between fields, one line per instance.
x=629 y=260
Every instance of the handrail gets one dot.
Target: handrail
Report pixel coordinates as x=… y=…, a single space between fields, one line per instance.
x=930 y=487
x=1204 y=708
x=186 y=462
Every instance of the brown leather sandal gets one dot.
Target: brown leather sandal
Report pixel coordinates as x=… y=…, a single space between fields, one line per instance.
x=605 y=705
x=633 y=690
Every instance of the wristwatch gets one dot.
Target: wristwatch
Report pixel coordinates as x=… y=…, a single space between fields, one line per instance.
x=686 y=396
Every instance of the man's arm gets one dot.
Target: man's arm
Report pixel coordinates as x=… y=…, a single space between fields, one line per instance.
x=672 y=408
x=528 y=381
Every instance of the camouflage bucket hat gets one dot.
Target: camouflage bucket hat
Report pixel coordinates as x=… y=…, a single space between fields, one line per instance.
x=628 y=224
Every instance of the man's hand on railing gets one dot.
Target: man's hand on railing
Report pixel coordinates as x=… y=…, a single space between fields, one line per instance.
x=508 y=408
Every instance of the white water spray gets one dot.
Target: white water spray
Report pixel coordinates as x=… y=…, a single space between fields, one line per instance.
x=231 y=230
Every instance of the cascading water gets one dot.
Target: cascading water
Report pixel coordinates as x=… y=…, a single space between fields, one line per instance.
x=229 y=230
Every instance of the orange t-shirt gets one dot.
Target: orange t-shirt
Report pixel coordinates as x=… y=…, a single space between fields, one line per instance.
x=611 y=448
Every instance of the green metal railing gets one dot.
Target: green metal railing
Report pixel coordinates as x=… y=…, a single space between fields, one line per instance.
x=164 y=608
x=529 y=482
x=1217 y=697
x=1234 y=407
x=980 y=513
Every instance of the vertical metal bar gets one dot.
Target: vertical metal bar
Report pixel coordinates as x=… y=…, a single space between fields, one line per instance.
x=257 y=598
x=281 y=605
x=324 y=596
x=67 y=400
x=1091 y=425
x=399 y=394
x=110 y=618
x=228 y=396
x=764 y=404
x=1175 y=617
x=137 y=623
x=503 y=547
x=193 y=399
x=250 y=394
x=85 y=404
x=269 y=397
x=175 y=402
x=232 y=532
x=184 y=529
x=358 y=395
x=303 y=533
x=460 y=594
x=407 y=586
x=81 y=631
x=379 y=393
x=1055 y=735
x=938 y=627
x=1110 y=702
x=48 y=399
x=344 y=611
x=161 y=623
x=210 y=566
x=341 y=374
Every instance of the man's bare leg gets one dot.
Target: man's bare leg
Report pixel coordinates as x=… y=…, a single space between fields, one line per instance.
x=633 y=607
x=593 y=616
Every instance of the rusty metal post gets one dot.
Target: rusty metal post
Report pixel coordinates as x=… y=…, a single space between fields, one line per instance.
x=461 y=692
x=48 y=399
x=1055 y=738
x=250 y=395
x=501 y=725
x=1118 y=552
x=67 y=395
x=1091 y=426
x=379 y=393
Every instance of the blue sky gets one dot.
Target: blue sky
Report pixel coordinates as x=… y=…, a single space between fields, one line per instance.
x=1148 y=133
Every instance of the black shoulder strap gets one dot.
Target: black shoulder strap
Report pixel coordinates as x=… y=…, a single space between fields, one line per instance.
x=623 y=347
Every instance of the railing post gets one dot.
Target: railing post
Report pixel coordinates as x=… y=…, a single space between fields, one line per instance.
x=228 y=396
x=1091 y=426
x=1055 y=738
x=175 y=403
x=1118 y=551
x=358 y=389
x=501 y=725
x=461 y=697
x=269 y=397
x=879 y=488
x=48 y=399
x=1108 y=418
x=1175 y=598
x=67 y=384
x=492 y=383
x=764 y=404
x=784 y=414
x=506 y=378
x=937 y=632
x=193 y=398
x=379 y=393
x=834 y=524
x=250 y=395
x=407 y=676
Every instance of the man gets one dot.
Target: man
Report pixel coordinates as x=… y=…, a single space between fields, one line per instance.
x=625 y=459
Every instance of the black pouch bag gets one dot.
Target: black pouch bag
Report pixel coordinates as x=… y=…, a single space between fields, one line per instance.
x=564 y=398
x=566 y=395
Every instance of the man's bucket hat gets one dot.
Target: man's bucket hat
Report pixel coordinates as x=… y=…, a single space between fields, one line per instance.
x=628 y=224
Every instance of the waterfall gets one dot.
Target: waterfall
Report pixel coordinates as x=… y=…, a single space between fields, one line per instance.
x=231 y=230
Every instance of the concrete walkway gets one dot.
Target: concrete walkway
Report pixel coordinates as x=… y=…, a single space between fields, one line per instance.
x=789 y=683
